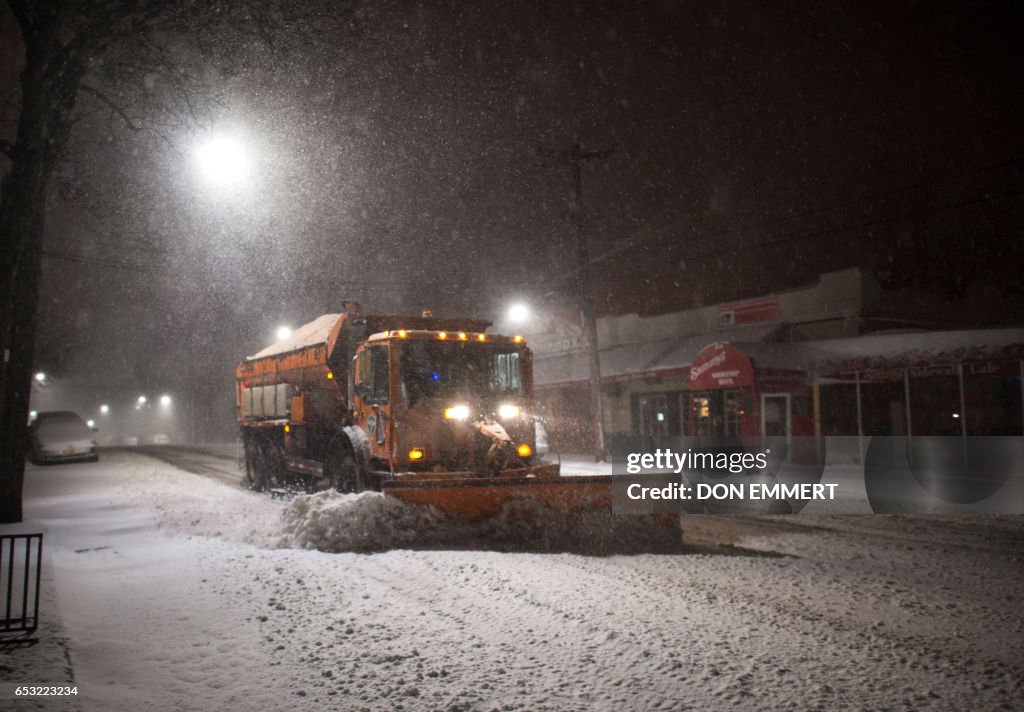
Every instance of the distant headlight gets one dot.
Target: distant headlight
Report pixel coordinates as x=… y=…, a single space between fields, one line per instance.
x=507 y=411
x=456 y=412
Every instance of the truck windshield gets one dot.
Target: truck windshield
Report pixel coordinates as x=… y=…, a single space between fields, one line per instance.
x=466 y=368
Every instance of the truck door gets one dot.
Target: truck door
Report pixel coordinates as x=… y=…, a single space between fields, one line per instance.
x=371 y=397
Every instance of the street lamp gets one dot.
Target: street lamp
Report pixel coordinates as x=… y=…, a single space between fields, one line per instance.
x=518 y=313
x=40 y=377
x=105 y=409
x=283 y=332
x=222 y=159
x=165 y=400
x=142 y=400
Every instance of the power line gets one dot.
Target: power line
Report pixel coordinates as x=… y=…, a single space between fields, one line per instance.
x=95 y=261
x=639 y=242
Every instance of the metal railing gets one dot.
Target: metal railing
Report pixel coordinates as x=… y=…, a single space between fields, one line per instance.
x=21 y=558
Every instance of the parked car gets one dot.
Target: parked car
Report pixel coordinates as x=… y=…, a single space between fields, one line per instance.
x=61 y=436
x=160 y=439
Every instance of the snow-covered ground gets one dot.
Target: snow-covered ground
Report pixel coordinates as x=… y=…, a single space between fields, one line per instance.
x=176 y=591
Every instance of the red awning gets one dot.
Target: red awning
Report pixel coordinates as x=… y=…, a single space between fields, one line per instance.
x=721 y=365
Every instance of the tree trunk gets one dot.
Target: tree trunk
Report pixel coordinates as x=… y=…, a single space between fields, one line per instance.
x=21 y=294
x=49 y=85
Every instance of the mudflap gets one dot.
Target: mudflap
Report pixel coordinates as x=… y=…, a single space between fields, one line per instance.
x=538 y=511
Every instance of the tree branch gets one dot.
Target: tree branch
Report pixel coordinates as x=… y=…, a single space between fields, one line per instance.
x=113 y=107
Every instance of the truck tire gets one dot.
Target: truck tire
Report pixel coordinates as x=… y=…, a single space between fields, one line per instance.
x=251 y=479
x=344 y=472
x=263 y=466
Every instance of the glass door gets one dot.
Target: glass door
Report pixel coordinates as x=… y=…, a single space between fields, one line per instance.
x=775 y=415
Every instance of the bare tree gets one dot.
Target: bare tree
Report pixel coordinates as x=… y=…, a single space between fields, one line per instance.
x=145 y=62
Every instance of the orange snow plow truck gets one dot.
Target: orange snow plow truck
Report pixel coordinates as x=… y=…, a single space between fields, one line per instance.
x=432 y=411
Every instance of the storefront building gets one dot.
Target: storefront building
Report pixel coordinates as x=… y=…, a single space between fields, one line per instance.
x=792 y=364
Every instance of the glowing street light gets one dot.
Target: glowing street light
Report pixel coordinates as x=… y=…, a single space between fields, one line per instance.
x=283 y=332
x=40 y=377
x=222 y=159
x=518 y=313
x=91 y=423
x=165 y=400
x=142 y=400
x=105 y=409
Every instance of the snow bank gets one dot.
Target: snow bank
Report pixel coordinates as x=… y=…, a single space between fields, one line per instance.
x=371 y=521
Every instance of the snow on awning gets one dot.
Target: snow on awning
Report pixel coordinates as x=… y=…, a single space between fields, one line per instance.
x=653 y=358
x=918 y=348
x=311 y=334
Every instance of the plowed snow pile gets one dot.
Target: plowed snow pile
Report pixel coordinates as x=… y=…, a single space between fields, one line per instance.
x=371 y=521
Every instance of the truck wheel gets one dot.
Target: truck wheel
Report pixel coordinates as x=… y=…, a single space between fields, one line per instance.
x=343 y=472
x=263 y=465
x=252 y=479
x=273 y=466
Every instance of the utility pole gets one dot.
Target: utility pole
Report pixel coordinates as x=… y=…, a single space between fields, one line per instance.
x=574 y=157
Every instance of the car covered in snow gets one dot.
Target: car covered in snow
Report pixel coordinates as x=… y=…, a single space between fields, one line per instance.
x=61 y=436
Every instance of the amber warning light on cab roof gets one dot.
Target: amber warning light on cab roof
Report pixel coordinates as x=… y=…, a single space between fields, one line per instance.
x=444 y=335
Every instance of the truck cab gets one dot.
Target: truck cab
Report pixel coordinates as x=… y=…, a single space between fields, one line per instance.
x=430 y=400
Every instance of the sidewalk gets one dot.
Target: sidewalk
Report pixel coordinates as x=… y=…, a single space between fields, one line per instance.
x=42 y=657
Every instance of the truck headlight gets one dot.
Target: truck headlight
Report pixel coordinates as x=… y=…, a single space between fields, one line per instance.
x=507 y=411
x=456 y=412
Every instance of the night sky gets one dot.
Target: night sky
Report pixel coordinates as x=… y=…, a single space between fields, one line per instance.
x=398 y=161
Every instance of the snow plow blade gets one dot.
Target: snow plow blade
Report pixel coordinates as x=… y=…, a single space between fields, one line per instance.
x=537 y=509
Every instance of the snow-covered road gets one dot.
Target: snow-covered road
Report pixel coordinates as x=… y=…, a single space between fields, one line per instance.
x=181 y=592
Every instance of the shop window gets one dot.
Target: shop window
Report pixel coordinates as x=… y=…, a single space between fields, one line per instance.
x=716 y=412
x=993 y=403
x=659 y=414
x=935 y=405
x=882 y=408
x=838 y=409
x=653 y=414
